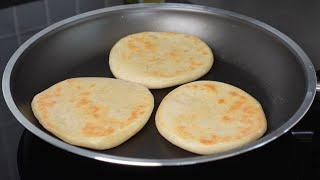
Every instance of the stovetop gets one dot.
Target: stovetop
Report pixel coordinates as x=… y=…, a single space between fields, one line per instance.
x=295 y=155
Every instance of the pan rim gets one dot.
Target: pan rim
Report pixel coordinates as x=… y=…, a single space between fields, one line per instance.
x=289 y=43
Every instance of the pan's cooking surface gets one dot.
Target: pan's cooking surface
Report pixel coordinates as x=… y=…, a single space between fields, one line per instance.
x=148 y=143
x=245 y=55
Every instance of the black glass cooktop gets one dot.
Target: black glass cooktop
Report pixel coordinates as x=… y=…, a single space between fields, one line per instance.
x=295 y=155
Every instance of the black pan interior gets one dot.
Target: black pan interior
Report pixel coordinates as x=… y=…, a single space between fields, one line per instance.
x=245 y=56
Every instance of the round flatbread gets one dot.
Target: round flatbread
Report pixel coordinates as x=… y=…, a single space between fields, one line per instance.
x=207 y=117
x=96 y=113
x=160 y=59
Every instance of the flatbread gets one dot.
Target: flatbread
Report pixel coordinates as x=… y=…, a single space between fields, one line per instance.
x=96 y=113
x=207 y=117
x=160 y=59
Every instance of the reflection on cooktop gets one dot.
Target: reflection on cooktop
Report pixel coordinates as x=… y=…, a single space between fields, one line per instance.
x=38 y=159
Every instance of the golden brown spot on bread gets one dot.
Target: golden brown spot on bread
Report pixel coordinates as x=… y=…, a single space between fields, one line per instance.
x=191 y=68
x=196 y=41
x=92 y=129
x=83 y=102
x=206 y=141
x=200 y=49
x=173 y=54
x=92 y=85
x=210 y=141
x=148 y=45
x=205 y=53
x=249 y=109
x=134 y=114
x=244 y=131
x=141 y=111
x=44 y=96
x=210 y=87
x=58 y=91
x=233 y=93
x=46 y=104
x=132 y=46
x=78 y=87
x=205 y=87
x=160 y=74
x=50 y=104
x=185 y=117
x=193 y=86
x=226 y=118
x=70 y=81
x=242 y=97
x=194 y=63
x=85 y=93
x=181 y=131
x=95 y=109
x=137 y=38
x=138 y=110
x=236 y=106
x=46 y=101
x=221 y=101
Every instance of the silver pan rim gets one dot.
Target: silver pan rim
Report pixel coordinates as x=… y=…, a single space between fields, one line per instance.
x=289 y=43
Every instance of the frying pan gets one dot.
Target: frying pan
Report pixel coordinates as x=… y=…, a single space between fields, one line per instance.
x=248 y=53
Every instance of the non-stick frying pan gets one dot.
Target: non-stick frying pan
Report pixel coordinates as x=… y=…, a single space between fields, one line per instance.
x=248 y=54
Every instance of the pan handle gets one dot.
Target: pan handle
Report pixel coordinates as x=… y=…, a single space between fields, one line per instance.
x=318 y=87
